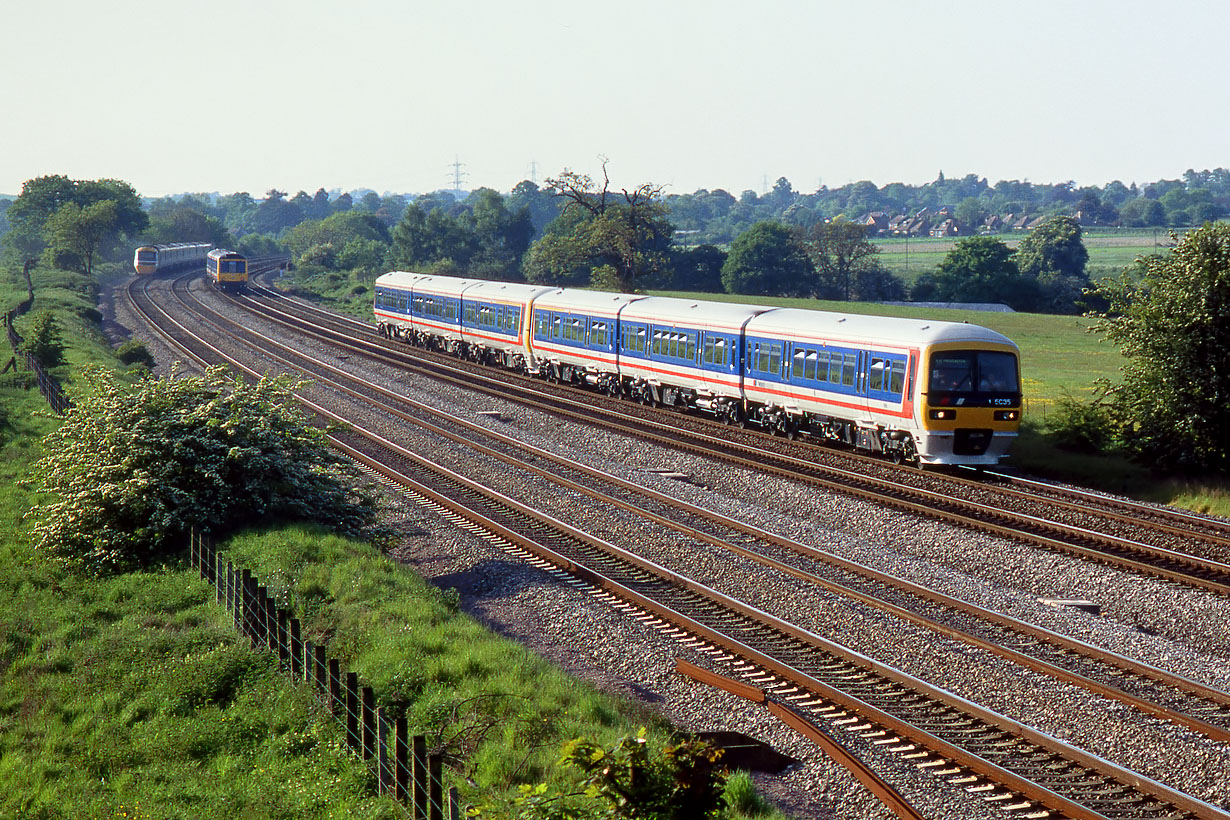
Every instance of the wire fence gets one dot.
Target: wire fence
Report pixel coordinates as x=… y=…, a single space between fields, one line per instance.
x=404 y=769
x=47 y=384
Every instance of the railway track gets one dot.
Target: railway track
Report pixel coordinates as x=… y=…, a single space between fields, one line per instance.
x=1106 y=532
x=1110 y=793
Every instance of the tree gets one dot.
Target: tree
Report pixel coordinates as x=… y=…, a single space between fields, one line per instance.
x=1170 y=316
x=74 y=234
x=627 y=235
x=768 y=260
x=130 y=470
x=1055 y=255
x=1142 y=213
x=43 y=197
x=698 y=268
x=838 y=249
x=42 y=340
x=979 y=269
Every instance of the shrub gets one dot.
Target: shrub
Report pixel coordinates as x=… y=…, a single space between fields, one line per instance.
x=131 y=469
x=1084 y=427
x=43 y=339
x=134 y=352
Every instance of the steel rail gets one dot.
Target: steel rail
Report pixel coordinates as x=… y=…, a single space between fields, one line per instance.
x=1125 y=779
x=1213 y=698
x=1159 y=561
x=1172 y=521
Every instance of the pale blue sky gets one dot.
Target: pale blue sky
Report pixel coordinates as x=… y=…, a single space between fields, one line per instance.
x=234 y=95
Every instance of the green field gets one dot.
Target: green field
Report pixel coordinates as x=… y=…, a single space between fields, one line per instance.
x=1109 y=251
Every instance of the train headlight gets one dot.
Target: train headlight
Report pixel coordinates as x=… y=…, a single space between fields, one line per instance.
x=1007 y=415
x=942 y=415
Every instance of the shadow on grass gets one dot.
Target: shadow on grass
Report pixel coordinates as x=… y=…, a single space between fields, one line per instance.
x=1036 y=454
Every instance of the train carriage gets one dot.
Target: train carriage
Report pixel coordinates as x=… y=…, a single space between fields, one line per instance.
x=392 y=303
x=575 y=336
x=870 y=382
x=684 y=352
x=227 y=270
x=435 y=311
x=496 y=322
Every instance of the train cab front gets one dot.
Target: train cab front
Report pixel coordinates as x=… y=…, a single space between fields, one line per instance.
x=145 y=261
x=971 y=406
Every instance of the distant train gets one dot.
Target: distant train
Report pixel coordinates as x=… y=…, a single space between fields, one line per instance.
x=227 y=270
x=151 y=259
x=916 y=390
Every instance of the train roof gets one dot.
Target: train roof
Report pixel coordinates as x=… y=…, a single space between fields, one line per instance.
x=819 y=324
x=167 y=246
x=442 y=285
x=399 y=278
x=692 y=312
x=598 y=302
x=223 y=253
x=505 y=291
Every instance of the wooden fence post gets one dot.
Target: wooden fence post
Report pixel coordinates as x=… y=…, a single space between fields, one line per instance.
x=369 y=722
x=335 y=686
x=296 y=651
x=271 y=623
x=454 y=804
x=435 y=788
x=283 y=642
x=419 y=770
x=383 y=764
x=320 y=669
x=352 y=710
x=401 y=758
x=245 y=592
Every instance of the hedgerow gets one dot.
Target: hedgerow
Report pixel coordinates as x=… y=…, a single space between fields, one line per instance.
x=133 y=468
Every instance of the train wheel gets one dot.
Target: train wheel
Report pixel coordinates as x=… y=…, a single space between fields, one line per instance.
x=907 y=453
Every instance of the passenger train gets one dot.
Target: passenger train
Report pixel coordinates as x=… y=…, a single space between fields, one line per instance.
x=151 y=259
x=227 y=270
x=916 y=390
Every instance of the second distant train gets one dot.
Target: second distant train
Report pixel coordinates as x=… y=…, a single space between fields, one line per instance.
x=227 y=270
x=151 y=259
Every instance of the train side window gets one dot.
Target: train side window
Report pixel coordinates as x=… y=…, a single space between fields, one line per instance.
x=597 y=334
x=800 y=364
x=850 y=368
x=691 y=347
x=775 y=360
x=896 y=378
x=877 y=375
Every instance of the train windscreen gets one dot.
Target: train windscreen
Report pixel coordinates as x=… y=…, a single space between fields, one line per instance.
x=974 y=373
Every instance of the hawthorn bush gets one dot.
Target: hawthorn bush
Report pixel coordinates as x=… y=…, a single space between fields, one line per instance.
x=132 y=469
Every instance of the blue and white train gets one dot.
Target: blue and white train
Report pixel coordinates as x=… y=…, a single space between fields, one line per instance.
x=916 y=390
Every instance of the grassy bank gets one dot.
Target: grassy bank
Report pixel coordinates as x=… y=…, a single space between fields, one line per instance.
x=132 y=696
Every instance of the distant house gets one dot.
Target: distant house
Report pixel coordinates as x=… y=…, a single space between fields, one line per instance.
x=1033 y=223
x=1021 y=223
x=993 y=224
x=875 y=222
x=948 y=227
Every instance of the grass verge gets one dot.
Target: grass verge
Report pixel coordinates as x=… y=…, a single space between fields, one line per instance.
x=132 y=696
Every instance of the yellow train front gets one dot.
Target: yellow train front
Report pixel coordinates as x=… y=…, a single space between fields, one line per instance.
x=227 y=270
